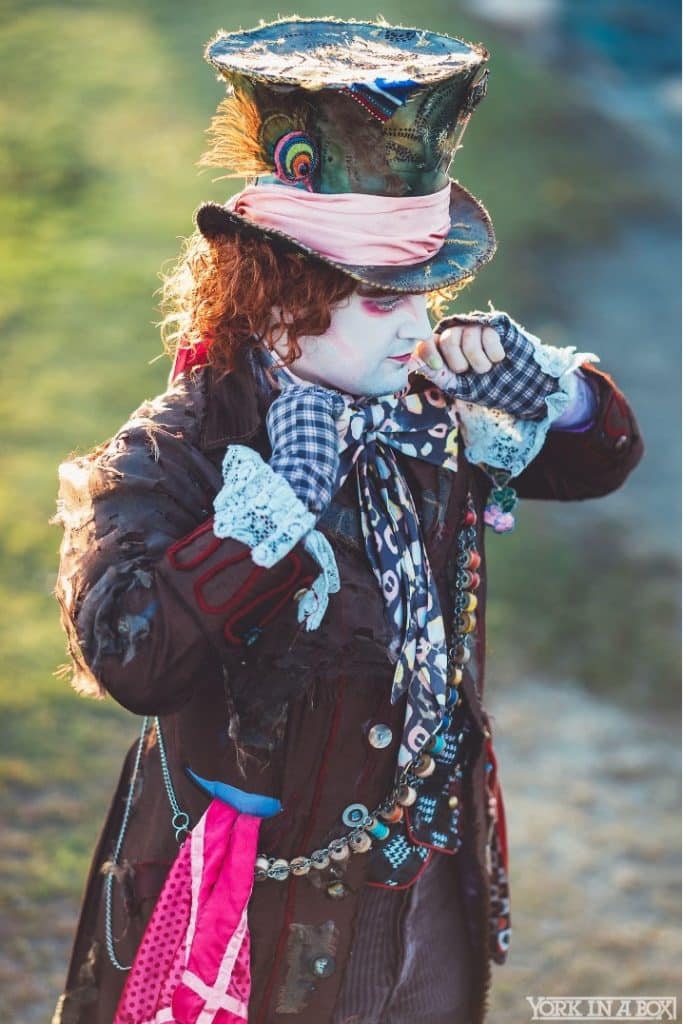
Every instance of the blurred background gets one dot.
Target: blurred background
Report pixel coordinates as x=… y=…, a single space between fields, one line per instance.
x=575 y=152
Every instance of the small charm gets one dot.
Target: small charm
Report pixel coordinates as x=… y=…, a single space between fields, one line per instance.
x=501 y=503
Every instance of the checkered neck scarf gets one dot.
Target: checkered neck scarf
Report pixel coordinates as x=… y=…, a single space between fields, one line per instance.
x=369 y=434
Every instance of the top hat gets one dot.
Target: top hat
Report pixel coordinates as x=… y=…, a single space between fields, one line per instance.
x=349 y=111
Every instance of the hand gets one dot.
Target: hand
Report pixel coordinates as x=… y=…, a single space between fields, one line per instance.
x=462 y=347
x=488 y=359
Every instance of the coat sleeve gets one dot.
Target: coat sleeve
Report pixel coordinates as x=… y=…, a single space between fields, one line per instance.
x=573 y=465
x=149 y=596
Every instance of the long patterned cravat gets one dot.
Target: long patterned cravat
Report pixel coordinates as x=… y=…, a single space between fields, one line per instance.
x=316 y=462
x=422 y=425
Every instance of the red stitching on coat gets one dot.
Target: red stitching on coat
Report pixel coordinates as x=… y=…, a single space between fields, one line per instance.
x=218 y=609
x=496 y=790
x=287 y=586
x=184 y=542
x=616 y=422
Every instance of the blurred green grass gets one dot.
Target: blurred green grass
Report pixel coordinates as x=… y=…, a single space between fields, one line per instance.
x=102 y=117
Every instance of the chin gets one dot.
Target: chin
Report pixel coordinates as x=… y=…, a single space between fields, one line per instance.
x=388 y=384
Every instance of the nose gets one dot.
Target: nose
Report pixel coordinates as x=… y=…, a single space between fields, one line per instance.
x=416 y=325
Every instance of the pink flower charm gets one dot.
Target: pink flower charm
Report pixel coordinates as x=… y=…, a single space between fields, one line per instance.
x=501 y=522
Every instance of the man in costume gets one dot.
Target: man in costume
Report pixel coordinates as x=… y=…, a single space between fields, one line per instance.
x=279 y=562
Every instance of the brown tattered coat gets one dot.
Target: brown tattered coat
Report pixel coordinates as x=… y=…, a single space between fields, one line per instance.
x=157 y=624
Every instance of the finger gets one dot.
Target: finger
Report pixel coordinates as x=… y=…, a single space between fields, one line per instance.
x=474 y=350
x=429 y=354
x=450 y=343
x=493 y=346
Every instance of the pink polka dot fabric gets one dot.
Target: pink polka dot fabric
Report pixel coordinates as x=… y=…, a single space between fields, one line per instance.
x=193 y=959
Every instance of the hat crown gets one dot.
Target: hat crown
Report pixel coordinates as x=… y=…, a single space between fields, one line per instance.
x=326 y=53
x=348 y=106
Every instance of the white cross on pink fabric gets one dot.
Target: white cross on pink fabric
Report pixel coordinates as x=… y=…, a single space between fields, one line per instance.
x=192 y=966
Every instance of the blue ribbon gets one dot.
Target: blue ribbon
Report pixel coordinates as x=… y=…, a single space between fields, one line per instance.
x=246 y=803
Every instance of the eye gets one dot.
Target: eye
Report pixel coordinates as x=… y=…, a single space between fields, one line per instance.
x=381 y=304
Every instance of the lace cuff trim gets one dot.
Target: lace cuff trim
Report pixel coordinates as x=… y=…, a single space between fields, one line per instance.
x=258 y=507
x=313 y=603
x=500 y=440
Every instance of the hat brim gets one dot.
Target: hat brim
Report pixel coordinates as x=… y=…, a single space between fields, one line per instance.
x=470 y=243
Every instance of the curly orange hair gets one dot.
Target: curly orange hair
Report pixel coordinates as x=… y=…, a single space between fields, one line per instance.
x=230 y=290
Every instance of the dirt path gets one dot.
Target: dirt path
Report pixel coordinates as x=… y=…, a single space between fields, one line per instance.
x=592 y=798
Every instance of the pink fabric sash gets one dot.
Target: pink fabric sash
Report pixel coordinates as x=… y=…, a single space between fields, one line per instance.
x=352 y=228
x=193 y=962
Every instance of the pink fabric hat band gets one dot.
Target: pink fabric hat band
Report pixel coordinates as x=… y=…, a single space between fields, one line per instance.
x=349 y=227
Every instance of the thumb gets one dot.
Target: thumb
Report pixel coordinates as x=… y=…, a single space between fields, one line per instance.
x=427 y=360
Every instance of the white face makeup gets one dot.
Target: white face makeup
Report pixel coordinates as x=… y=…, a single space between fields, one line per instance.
x=368 y=345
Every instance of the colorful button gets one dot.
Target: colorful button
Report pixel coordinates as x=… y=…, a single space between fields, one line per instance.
x=425 y=766
x=261 y=869
x=323 y=966
x=407 y=795
x=337 y=890
x=462 y=654
x=378 y=830
x=473 y=560
x=467 y=622
x=320 y=859
x=380 y=736
x=360 y=843
x=436 y=745
x=279 y=869
x=392 y=814
x=354 y=815
x=339 y=850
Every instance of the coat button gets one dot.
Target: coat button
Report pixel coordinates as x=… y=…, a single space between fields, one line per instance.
x=620 y=443
x=354 y=815
x=336 y=890
x=323 y=966
x=380 y=736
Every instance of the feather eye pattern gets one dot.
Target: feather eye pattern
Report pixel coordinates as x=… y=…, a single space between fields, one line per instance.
x=235 y=141
x=296 y=159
